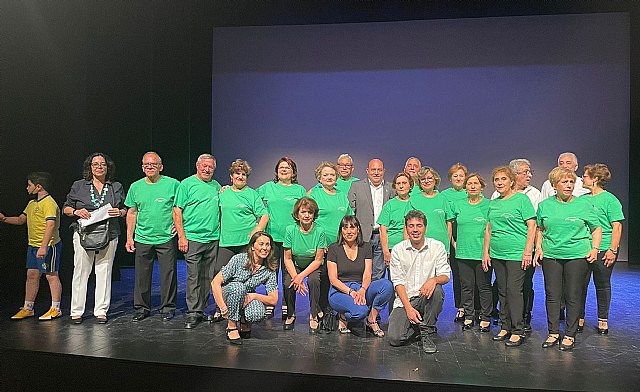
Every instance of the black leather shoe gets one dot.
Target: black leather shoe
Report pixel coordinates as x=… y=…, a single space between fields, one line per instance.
x=500 y=338
x=77 y=321
x=551 y=341
x=102 y=319
x=567 y=347
x=486 y=328
x=192 y=321
x=514 y=343
x=603 y=331
x=428 y=346
x=459 y=316
x=467 y=325
x=139 y=316
x=246 y=333
x=237 y=341
x=580 y=327
x=169 y=315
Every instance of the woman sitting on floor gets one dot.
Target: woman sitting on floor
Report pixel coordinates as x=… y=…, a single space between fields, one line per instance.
x=352 y=292
x=234 y=286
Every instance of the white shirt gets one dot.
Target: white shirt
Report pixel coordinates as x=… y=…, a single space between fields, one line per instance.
x=377 y=194
x=578 y=190
x=412 y=267
x=532 y=193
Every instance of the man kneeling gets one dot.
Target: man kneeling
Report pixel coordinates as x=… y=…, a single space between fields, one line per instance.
x=418 y=268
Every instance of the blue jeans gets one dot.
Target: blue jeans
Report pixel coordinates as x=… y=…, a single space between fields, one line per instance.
x=377 y=296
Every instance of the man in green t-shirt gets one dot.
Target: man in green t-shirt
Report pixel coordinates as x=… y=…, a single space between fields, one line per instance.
x=151 y=234
x=197 y=220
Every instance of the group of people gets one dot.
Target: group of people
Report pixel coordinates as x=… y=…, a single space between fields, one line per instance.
x=351 y=246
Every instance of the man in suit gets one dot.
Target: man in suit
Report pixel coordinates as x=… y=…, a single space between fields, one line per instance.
x=366 y=198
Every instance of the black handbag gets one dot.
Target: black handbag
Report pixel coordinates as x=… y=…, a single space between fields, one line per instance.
x=94 y=236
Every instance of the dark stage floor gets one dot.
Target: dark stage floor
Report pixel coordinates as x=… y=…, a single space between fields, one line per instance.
x=464 y=359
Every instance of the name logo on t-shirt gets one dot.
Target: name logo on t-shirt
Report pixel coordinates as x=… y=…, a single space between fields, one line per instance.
x=439 y=211
x=479 y=219
x=571 y=219
x=160 y=200
x=506 y=215
x=342 y=208
x=242 y=205
x=289 y=198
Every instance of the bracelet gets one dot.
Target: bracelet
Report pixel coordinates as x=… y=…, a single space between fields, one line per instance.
x=73 y=212
x=615 y=252
x=225 y=311
x=350 y=290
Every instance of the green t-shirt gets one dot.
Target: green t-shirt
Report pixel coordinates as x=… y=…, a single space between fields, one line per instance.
x=341 y=185
x=608 y=210
x=199 y=203
x=471 y=220
x=508 y=219
x=566 y=227
x=331 y=210
x=154 y=202
x=392 y=217
x=304 y=245
x=280 y=200
x=438 y=211
x=453 y=196
x=239 y=213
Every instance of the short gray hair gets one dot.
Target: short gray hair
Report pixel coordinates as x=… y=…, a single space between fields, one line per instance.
x=152 y=153
x=345 y=156
x=568 y=154
x=515 y=164
x=206 y=156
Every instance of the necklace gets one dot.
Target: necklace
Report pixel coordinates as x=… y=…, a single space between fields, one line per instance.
x=97 y=203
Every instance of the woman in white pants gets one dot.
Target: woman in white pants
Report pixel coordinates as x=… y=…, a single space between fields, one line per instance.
x=96 y=189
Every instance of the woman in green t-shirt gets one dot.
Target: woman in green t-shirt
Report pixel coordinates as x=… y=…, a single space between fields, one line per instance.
x=568 y=237
x=508 y=245
x=609 y=212
x=391 y=219
x=471 y=216
x=279 y=196
x=456 y=174
x=304 y=244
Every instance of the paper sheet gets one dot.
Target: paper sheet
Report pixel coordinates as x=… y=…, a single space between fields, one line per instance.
x=98 y=215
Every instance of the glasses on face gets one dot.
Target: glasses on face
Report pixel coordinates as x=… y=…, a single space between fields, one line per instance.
x=151 y=165
x=525 y=172
x=97 y=165
x=346 y=165
x=426 y=179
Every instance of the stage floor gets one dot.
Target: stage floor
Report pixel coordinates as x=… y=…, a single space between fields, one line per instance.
x=464 y=358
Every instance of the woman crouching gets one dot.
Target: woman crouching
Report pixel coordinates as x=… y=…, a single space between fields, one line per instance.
x=234 y=286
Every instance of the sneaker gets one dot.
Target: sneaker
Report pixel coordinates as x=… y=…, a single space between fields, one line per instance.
x=51 y=314
x=22 y=314
x=428 y=346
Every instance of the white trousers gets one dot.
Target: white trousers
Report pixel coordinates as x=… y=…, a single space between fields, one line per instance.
x=83 y=261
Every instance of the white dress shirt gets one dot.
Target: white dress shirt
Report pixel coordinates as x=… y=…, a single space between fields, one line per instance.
x=377 y=195
x=412 y=267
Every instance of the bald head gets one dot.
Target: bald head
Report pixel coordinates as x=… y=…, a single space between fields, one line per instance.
x=375 y=171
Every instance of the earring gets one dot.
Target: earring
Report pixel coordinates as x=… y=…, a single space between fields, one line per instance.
x=251 y=248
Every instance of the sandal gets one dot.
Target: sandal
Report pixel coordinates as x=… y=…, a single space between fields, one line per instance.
x=343 y=329
x=603 y=326
x=289 y=326
x=459 y=316
x=314 y=330
x=284 y=312
x=374 y=328
x=237 y=340
x=551 y=341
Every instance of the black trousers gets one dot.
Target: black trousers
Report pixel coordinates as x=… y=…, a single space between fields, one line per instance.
x=313 y=283
x=402 y=332
x=225 y=254
x=527 y=292
x=473 y=279
x=510 y=277
x=602 y=281
x=200 y=259
x=564 y=277
x=457 y=287
x=166 y=255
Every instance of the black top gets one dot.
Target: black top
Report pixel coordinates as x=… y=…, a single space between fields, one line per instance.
x=348 y=270
x=80 y=197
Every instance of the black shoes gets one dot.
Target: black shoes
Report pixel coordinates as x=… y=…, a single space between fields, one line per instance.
x=468 y=324
x=580 y=326
x=603 y=327
x=514 y=343
x=551 y=341
x=459 y=316
x=102 y=319
x=566 y=347
x=168 y=315
x=77 y=321
x=485 y=328
x=428 y=346
x=501 y=336
x=237 y=341
x=289 y=327
x=192 y=321
x=527 y=323
x=139 y=316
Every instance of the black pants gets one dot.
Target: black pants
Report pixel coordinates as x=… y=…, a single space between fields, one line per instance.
x=472 y=279
x=313 y=283
x=510 y=277
x=324 y=285
x=457 y=286
x=602 y=281
x=402 y=332
x=200 y=259
x=145 y=254
x=564 y=277
x=225 y=254
x=527 y=292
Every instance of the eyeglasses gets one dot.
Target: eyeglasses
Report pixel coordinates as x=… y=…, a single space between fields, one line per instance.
x=151 y=164
x=97 y=165
x=525 y=172
x=345 y=165
x=427 y=179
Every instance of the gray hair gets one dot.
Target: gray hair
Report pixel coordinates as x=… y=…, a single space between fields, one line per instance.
x=568 y=154
x=412 y=158
x=152 y=153
x=206 y=156
x=515 y=164
x=342 y=156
